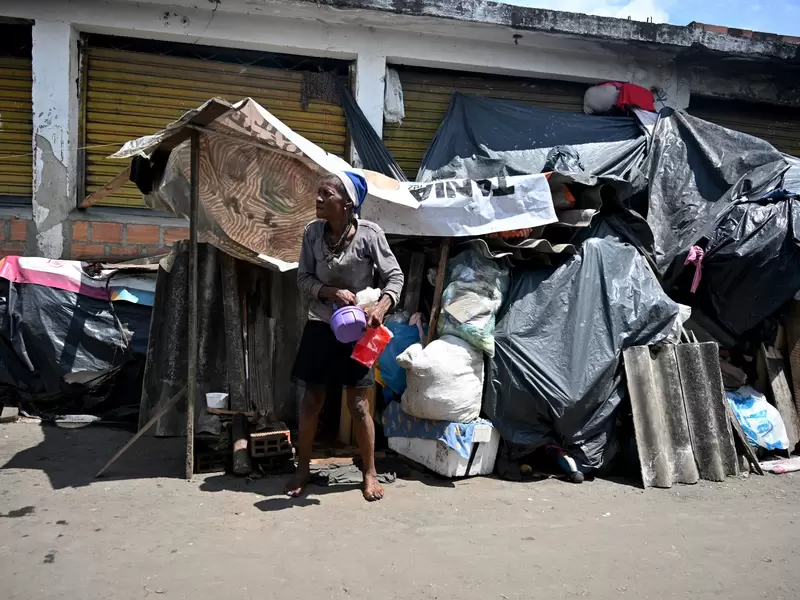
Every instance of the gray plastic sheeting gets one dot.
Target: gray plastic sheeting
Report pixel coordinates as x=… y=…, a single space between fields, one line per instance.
x=679 y=413
x=556 y=376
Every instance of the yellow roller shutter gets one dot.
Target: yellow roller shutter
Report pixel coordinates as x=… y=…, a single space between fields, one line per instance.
x=16 y=123
x=130 y=94
x=427 y=95
x=778 y=125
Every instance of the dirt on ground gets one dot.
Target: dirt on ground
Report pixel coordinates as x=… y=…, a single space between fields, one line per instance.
x=144 y=532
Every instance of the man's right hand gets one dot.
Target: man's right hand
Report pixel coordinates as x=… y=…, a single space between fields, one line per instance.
x=345 y=297
x=339 y=296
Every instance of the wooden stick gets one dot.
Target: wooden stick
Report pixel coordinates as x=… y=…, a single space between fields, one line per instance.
x=241 y=449
x=164 y=409
x=436 y=307
x=194 y=322
x=738 y=434
x=108 y=189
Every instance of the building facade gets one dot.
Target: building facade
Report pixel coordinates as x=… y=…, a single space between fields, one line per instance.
x=79 y=78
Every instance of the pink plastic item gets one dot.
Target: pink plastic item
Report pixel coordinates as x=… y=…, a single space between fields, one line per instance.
x=369 y=347
x=695 y=257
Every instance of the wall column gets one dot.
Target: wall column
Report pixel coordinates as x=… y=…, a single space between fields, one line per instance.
x=55 y=132
x=370 y=81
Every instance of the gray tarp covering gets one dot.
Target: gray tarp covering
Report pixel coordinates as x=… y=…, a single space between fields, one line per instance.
x=696 y=170
x=556 y=376
x=484 y=137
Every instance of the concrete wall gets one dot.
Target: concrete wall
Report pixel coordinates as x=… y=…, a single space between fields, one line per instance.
x=370 y=38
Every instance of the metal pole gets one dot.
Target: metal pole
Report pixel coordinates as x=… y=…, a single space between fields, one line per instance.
x=191 y=392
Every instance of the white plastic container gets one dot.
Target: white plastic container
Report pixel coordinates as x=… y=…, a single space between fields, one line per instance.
x=441 y=459
x=217 y=400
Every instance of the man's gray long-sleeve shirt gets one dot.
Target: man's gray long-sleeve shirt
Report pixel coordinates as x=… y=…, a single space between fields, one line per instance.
x=353 y=269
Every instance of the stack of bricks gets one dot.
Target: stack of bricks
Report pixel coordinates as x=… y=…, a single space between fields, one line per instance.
x=13 y=234
x=107 y=240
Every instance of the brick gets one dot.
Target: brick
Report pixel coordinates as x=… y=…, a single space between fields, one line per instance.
x=88 y=251
x=155 y=251
x=125 y=251
x=107 y=232
x=173 y=234
x=142 y=234
x=80 y=231
x=12 y=250
x=19 y=230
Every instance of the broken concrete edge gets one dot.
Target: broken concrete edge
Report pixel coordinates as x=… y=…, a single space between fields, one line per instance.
x=576 y=24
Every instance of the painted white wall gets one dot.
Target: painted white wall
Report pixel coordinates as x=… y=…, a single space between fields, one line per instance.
x=55 y=131
x=369 y=88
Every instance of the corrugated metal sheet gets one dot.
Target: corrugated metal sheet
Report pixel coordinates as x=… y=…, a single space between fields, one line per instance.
x=780 y=126
x=16 y=122
x=131 y=94
x=679 y=413
x=427 y=95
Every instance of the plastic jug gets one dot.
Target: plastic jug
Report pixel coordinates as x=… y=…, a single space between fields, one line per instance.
x=369 y=347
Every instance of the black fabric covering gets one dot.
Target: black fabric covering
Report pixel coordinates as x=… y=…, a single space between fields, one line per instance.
x=372 y=152
x=47 y=334
x=752 y=263
x=696 y=170
x=484 y=137
x=556 y=376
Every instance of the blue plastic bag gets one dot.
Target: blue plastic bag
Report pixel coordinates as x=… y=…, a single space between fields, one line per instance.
x=761 y=422
x=392 y=374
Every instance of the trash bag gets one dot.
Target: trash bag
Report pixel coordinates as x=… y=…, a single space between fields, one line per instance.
x=564 y=159
x=761 y=422
x=556 y=377
x=474 y=293
x=750 y=268
x=697 y=170
x=445 y=380
x=393 y=375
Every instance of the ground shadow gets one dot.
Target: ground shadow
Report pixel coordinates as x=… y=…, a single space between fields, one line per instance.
x=72 y=457
x=272 y=488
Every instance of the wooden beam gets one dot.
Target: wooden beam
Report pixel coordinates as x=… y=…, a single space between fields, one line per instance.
x=108 y=189
x=444 y=254
x=416 y=275
x=194 y=322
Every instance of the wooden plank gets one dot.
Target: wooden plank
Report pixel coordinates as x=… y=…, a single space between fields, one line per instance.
x=792 y=324
x=345 y=421
x=108 y=189
x=162 y=410
x=436 y=307
x=741 y=441
x=416 y=275
x=241 y=451
x=782 y=397
x=234 y=346
x=260 y=338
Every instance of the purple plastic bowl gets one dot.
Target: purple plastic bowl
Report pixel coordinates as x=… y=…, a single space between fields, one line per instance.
x=349 y=324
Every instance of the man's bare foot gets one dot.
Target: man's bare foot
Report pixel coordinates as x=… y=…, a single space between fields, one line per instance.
x=372 y=489
x=297 y=483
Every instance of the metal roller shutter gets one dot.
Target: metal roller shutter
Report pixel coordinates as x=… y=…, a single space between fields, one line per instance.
x=16 y=114
x=778 y=125
x=427 y=95
x=130 y=94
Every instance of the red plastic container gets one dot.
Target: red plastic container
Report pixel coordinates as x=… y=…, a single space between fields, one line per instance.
x=370 y=346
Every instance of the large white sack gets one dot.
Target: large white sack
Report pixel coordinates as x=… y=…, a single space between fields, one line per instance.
x=445 y=380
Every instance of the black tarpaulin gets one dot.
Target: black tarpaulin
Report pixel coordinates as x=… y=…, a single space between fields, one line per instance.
x=56 y=345
x=484 y=137
x=557 y=376
x=751 y=266
x=696 y=170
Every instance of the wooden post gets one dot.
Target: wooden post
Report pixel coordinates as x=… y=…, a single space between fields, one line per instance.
x=241 y=440
x=191 y=379
x=444 y=254
x=234 y=350
x=416 y=275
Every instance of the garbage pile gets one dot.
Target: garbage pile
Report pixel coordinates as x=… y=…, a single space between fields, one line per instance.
x=649 y=328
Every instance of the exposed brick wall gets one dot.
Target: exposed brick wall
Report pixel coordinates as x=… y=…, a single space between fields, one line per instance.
x=106 y=239
x=87 y=240
x=13 y=233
